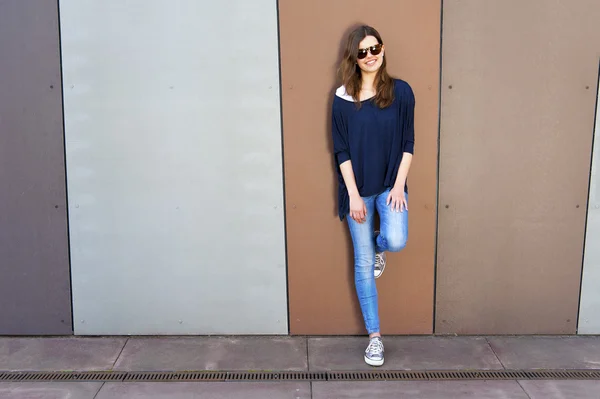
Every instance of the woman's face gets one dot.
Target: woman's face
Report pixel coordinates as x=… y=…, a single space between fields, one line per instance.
x=371 y=63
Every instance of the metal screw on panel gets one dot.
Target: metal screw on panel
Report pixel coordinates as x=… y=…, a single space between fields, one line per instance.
x=180 y=321
x=587 y=87
x=52 y=86
x=56 y=206
x=77 y=206
x=294 y=206
x=597 y=206
x=450 y=87
x=82 y=321
x=447 y=206
x=577 y=206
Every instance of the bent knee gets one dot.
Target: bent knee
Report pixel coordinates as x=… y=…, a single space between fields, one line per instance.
x=396 y=244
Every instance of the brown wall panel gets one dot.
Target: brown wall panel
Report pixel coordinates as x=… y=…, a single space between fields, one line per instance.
x=34 y=263
x=518 y=104
x=320 y=262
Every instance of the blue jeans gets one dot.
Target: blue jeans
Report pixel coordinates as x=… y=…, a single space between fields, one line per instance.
x=393 y=233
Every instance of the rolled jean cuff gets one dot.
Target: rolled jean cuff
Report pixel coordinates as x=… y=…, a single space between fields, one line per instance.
x=372 y=330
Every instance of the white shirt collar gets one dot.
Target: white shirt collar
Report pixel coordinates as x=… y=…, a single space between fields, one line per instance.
x=341 y=93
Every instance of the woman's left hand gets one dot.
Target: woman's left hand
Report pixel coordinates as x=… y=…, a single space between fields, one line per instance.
x=397 y=199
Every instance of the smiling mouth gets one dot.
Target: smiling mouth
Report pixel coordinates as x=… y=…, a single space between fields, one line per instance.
x=371 y=62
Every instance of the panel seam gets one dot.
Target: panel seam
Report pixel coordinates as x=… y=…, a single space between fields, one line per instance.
x=120 y=353
x=284 y=202
x=64 y=137
x=494 y=352
x=439 y=140
x=524 y=391
x=101 y=386
x=307 y=354
x=587 y=208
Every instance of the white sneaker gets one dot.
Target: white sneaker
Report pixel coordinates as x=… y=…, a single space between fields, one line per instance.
x=374 y=352
x=380 y=261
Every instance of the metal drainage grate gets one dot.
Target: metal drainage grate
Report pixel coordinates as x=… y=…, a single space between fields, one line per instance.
x=464 y=375
x=277 y=376
x=376 y=375
x=63 y=376
x=563 y=375
x=176 y=376
x=248 y=376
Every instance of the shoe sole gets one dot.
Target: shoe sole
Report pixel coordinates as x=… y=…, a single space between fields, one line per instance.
x=375 y=363
x=381 y=272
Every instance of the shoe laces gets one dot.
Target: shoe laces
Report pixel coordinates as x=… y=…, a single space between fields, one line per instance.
x=378 y=260
x=375 y=346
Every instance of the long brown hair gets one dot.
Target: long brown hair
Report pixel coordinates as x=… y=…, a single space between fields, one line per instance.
x=350 y=72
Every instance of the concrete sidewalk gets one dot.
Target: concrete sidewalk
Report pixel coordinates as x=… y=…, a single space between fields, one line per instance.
x=275 y=353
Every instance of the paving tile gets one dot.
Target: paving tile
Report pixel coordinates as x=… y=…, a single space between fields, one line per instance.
x=214 y=353
x=403 y=353
x=536 y=352
x=205 y=390
x=49 y=390
x=70 y=353
x=418 y=389
x=562 y=389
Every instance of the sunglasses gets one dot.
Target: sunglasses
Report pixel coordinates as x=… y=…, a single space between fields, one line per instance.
x=362 y=52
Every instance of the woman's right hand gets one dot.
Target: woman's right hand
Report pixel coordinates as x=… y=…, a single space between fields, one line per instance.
x=358 y=210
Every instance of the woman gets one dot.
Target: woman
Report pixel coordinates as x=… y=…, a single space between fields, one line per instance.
x=373 y=137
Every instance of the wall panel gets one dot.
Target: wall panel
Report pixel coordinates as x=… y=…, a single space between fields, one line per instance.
x=35 y=295
x=517 y=115
x=320 y=261
x=174 y=166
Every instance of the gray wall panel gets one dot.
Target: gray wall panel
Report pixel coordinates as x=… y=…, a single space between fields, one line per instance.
x=515 y=138
x=35 y=296
x=174 y=166
x=589 y=308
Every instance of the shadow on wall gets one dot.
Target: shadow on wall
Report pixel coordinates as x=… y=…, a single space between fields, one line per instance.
x=328 y=122
x=336 y=83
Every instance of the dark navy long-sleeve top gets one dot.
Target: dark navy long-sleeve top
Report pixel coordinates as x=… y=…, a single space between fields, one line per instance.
x=373 y=139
